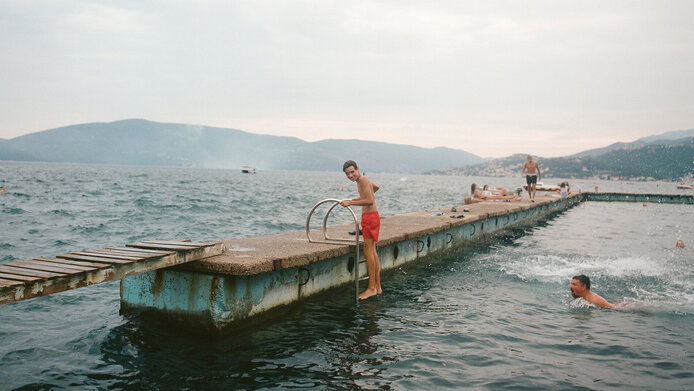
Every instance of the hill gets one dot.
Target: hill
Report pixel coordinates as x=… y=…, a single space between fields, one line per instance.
x=654 y=159
x=642 y=142
x=141 y=142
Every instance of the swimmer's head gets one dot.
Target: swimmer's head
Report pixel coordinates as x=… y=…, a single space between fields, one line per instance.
x=680 y=244
x=579 y=285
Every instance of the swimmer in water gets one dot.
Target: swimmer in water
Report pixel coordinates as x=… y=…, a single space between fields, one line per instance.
x=580 y=287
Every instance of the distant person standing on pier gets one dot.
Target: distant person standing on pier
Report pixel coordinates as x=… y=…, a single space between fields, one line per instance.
x=532 y=177
x=370 y=225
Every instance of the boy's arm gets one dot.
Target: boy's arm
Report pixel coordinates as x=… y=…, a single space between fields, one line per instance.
x=523 y=169
x=375 y=187
x=366 y=194
x=539 y=174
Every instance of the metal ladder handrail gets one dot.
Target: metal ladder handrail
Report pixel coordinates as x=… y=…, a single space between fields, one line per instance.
x=340 y=241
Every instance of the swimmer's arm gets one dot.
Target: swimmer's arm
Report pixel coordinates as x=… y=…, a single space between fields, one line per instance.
x=524 y=167
x=375 y=187
x=539 y=174
x=600 y=302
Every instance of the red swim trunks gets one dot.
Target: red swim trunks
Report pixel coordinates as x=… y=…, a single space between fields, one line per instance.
x=370 y=225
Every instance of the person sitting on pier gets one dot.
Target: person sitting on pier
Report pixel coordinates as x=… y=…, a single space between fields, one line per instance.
x=564 y=189
x=495 y=191
x=370 y=225
x=580 y=287
x=477 y=195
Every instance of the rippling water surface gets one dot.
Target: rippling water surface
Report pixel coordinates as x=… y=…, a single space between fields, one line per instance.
x=495 y=316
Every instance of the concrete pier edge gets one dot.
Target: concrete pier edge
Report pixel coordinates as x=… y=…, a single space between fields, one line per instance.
x=237 y=289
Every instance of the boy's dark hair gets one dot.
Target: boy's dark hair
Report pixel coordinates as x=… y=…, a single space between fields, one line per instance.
x=583 y=279
x=349 y=163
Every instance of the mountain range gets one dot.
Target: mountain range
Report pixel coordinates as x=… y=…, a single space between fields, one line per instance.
x=142 y=142
x=667 y=156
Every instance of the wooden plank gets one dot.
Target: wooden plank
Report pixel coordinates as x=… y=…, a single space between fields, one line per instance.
x=51 y=268
x=8 y=283
x=18 y=277
x=28 y=272
x=76 y=263
x=139 y=250
x=93 y=254
x=66 y=266
x=179 y=243
x=159 y=246
x=104 y=251
x=94 y=259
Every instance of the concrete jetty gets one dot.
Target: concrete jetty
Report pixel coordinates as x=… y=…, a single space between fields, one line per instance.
x=218 y=285
x=257 y=275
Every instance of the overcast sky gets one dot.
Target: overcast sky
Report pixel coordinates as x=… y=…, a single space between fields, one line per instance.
x=493 y=78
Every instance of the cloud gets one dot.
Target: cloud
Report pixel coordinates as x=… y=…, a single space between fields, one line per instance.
x=473 y=75
x=98 y=18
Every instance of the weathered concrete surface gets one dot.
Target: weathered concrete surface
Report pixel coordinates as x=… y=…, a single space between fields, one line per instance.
x=255 y=255
x=257 y=276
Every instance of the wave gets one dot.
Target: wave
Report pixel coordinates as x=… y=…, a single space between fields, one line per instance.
x=638 y=283
x=13 y=211
x=88 y=229
x=62 y=212
x=19 y=195
x=557 y=268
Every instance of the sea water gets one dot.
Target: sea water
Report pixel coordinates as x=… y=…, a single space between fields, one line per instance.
x=492 y=316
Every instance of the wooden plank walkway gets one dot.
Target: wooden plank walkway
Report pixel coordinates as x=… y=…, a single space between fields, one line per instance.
x=20 y=280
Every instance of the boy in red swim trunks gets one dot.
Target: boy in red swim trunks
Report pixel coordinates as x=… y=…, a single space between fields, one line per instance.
x=370 y=225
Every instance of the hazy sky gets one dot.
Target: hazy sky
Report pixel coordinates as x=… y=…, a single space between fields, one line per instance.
x=490 y=77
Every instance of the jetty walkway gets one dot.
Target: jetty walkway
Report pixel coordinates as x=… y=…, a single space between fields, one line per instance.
x=220 y=284
x=20 y=280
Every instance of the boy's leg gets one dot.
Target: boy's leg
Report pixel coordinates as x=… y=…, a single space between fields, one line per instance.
x=377 y=271
x=372 y=267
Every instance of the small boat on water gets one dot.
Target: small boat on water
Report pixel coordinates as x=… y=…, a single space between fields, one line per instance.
x=248 y=170
x=685 y=187
x=539 y=186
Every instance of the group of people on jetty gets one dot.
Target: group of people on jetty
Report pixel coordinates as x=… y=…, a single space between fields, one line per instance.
x=371 y=220
x=371 y=225
x=532 y=173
